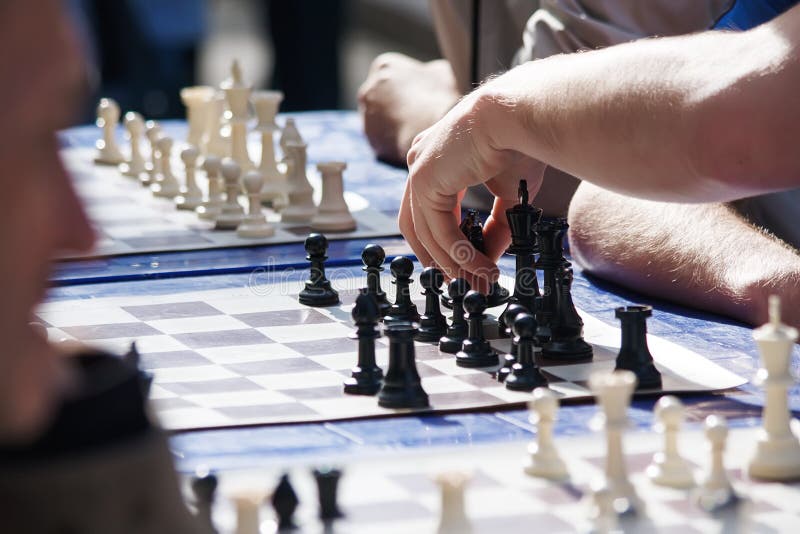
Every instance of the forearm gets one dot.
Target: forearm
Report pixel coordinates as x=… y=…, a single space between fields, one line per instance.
x=692 y=118
x=702 y=255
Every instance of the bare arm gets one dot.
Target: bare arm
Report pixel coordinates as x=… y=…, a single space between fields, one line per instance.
x=701 y=255
x=708 y=117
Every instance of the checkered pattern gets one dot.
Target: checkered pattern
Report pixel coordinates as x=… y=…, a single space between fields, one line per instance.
x=242 y=356
x=400 y=496
x=129 y=219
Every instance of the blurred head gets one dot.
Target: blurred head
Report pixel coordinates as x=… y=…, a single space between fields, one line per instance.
x=41 y=82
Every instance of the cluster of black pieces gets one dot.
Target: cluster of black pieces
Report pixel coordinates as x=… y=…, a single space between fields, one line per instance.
x=318 y=291
x=634 y=355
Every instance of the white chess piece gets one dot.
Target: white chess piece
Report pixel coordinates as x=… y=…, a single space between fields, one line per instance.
x=168 y=186
x=715 y=491
x=453 y=518
x=135 y=165
x=255 y=224
x=275 y=190
x=196 y=100
x=543 y=459
x=668 y=467
x=777 y=455
x=301 y=206
x=108 y=152
x=211 y=208
x=333 y=214
x=231 y=212
x=237 y=95
x=218 y=143
x=191 y=196
x=152 y=132
x=613 y=392
x=602 y=513
x=247 y=513
x=289 y=134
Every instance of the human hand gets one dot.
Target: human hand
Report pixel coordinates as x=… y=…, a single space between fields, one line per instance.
x=401 y=97
x=457 y=152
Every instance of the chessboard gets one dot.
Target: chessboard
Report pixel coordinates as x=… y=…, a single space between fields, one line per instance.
x=249 y=353
x=128 y=219
x=399 y=494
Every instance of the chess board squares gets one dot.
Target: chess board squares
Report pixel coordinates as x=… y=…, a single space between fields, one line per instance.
x=166 y=239
x=299 y=317
x=331 y=333
x=256 y=299
x=73 y=316
x=224 y=338
x=172 y=310
x=110 y=331
x=248 y=353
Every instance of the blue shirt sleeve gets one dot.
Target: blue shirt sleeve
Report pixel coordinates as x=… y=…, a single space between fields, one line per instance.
x=747 y=14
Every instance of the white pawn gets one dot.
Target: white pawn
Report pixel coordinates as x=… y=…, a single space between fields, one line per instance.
x=212 y=207
x=543 y=459
x=108 y=152
x=613 y=392
x=191 y=196
x=333 y=215
x=255 y=224
x=247 y=513
x=453 y=518
x=275 y=189
x=168 y=185
x=231 y=212
x=301 y=208
x=777 y=455
x=669 y=468
x=135 y=166
x=152 y=131
x=715 y=490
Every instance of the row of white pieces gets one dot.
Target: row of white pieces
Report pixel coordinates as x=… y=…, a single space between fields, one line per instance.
x=376 y=479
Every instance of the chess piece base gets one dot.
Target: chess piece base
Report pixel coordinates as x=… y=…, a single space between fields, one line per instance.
x=188 y=202
x=255 y=229
x=298 y=214
x=395 y=397
x=430 y=332
x=229 y=221
x=450 y=344
x=775 y=459
x=525 y=379
x=364 y=381
x=568 y=350
x=480 y=355
x=329 y=222
x=672 y=474
x=163 y=190
x=319 y=296
x=543 y=465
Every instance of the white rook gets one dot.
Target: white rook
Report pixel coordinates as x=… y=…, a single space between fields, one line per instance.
x=333 y=215
x=301 y=206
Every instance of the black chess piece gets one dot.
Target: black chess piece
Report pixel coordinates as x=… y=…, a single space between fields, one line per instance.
x=318 y=291
x=285 y=501
x=457 y=331
x=327 y=489
x=475 y=350
x=432 y=324
x=472 y=227
x=550 y=237
x=403 y=310
x=525 y=374
x=566 y=326
x=134 y=359
x=204 y=488
x=366 y=376
x=509 y=316
x=634 y=355
x=373 y=257
x=521 y=221
x=402 y=386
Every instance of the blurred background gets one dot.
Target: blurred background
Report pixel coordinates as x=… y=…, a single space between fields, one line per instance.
x=316 y=51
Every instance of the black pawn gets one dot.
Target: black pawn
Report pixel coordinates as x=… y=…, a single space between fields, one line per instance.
x=457 y=331
x=521 y=221
x=432 y=324
x=509 y=316
x=284 y=501
x=318 y=291
x=475 y=350
x=204 y=488
x=525 y=375
x=402 y=386
x=403 y=310
x=373 y=257
x=566 y=326
x=327 y=489
x=366 y=375
x=634 y=355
